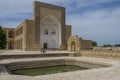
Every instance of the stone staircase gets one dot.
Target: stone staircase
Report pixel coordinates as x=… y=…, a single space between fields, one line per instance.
x=20 y=55
x=3 y=70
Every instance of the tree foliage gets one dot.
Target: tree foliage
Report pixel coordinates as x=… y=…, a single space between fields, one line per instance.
x=117 y=45
x=2 y=39
x=94 y=43
x=109 y=45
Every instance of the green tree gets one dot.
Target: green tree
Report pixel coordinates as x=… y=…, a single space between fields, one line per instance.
x=104 y=45
x=107 y=45
x=94 y=43
x=117 y=45
x=2 y=39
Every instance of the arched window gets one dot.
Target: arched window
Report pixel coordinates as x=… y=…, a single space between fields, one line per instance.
x=53 y=31
x=11 y=34
x=45 y=31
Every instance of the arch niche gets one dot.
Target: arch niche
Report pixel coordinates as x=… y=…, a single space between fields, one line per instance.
x=52 y=38
x=73 y=46
x=11 y=34
x=10 y=45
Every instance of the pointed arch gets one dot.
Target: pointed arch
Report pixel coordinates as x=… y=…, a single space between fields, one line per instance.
x=11 y=34
x=51 y=25
x=50 y=18
x=10 y=45
x=73 y=46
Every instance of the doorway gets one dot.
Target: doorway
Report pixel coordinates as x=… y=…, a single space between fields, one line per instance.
x=45 y=45
x=73 y=46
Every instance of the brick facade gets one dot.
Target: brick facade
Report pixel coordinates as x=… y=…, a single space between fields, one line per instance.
x=27 y=35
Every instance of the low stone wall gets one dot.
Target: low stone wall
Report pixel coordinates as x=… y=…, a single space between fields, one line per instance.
x=33 y=64
x=101 y=53
x=57 y=62
x=19 y=56
x=2 y=51
x=34 y=55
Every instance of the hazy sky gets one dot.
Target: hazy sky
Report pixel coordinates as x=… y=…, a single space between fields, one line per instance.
x=97 y=20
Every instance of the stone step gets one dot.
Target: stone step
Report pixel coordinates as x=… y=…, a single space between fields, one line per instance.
x=36 y=55
x=3 y=70
x=17 y=56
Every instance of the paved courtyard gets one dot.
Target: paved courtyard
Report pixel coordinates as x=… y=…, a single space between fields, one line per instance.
x=104 y=73
x=30 y=52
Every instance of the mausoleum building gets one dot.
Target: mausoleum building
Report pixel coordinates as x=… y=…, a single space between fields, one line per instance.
x=46 y=29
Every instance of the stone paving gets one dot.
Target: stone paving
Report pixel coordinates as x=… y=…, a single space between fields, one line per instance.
x=104 y=73
x=30 y=52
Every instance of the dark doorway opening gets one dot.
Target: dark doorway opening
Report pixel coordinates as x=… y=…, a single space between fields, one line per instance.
x=45 y=45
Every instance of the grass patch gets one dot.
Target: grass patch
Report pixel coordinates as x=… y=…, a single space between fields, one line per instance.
x=47 y=70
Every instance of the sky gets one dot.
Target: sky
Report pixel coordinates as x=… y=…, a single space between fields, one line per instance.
x=96 y=20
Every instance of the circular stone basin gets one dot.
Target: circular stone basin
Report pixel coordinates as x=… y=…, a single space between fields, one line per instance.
x=47 y=70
